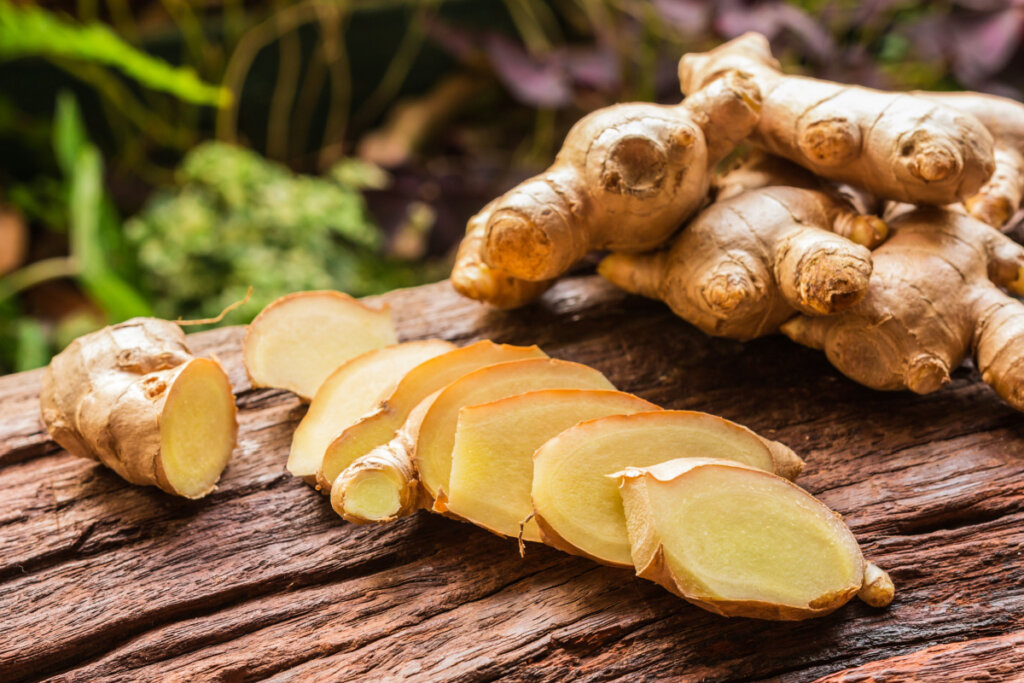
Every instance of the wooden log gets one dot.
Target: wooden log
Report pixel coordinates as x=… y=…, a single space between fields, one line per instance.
x=99 y=578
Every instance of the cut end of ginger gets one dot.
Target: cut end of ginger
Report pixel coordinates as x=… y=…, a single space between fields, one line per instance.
x=379 y=487
x=739 y=541
x=353 y=390
x=436 y=438
x=577 y=506
x=494 y=447
x=297 y=341
x=198 y=429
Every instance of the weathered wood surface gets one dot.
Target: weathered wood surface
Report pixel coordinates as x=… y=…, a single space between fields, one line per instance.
x=102 y=579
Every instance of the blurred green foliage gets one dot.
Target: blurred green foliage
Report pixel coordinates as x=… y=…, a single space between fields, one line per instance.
x=237 y=220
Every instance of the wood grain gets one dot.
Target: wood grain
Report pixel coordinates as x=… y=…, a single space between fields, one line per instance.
x=100 y=579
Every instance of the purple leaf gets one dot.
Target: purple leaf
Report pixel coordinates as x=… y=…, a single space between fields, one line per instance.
x=772 y=19
x=537 y=82
x=983 y=47
x=689 y=17
x=596 y=68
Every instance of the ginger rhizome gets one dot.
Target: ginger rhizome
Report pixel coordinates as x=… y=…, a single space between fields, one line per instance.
x=746 y=263
x=1001 y=196
x=934 y=296
x=133 y=397
x=896 y=145
x=494 y=447
x=382 y=425
x=625 y=178
x=576 y=505
x=300 y=339
x=353 y=390
x=742 y=542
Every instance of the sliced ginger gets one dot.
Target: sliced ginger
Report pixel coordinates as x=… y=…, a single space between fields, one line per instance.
x=381 y=426
x=896 y=145
x=576 y=504
x=300 y=339
x=133 y=397
x=739 y=541
x=353 y=390
x=492 y=459
x=436 y=434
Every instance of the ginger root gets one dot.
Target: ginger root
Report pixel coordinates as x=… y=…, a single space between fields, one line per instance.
x=1001 y=196
x=746 y=263
x=301 y=338
x=896 y=145
x=933 y=297
x=576 y=505
x=133 y=397
x=625 y=178
x=742 y=542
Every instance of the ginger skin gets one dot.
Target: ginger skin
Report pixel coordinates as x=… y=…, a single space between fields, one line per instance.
x=1001 y=196
x=896 y=145
x=933 y=297
x=133 y=397
x=625 y=178
x=745 y=264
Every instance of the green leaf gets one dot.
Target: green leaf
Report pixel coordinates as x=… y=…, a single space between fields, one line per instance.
x=32 y=345
x=30 y=31
x=115 y=296
x=69 y=136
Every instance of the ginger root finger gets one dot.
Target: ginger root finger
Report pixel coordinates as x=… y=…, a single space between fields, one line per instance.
x=1000 y=198
x=745 y=264
x=896 y=145
x=133 y=397
x=739 y=541
x=625 y=178
x=934 y=297
x=301 y=338
x=474 y=279
x=576 y=505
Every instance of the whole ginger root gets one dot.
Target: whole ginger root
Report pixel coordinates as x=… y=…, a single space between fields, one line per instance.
x=625 y=179
x=934 y=296
x=896 y=145
x=746 y=263
x=1001 y=196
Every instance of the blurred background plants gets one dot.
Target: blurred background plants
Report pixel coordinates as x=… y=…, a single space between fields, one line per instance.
x=161 y=156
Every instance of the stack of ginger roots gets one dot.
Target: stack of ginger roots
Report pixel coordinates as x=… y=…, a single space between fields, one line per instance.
x=861 y=222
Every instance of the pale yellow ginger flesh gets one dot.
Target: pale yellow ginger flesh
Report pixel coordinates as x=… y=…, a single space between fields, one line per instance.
x=358 y=493
x=739 y=541
x=353 y=390
x=300 y=339
x=436 y=437
x=492 y=459
x=577 y=506
x=423 y=380
x=133 y=397
x=898 y=146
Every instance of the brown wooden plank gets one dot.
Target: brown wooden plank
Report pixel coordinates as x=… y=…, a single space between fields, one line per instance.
x=99 y=578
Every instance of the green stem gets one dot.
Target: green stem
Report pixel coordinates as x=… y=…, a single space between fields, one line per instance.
x=37 y=273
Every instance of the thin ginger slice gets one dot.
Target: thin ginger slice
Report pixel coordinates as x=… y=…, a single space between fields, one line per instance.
x=436 y=437
x=381 y=426
x=739 y=541
x=300 y=339
x=492 y=459
x=576 y=505
x=353 y=390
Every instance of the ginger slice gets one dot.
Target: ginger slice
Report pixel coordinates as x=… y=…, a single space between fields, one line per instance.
x=133 y=397
x=353 y=390
x=300 y=339
x=742 y=542
x=492 y=459
x=576 y=505
x=381 y=426
x=436 y=437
